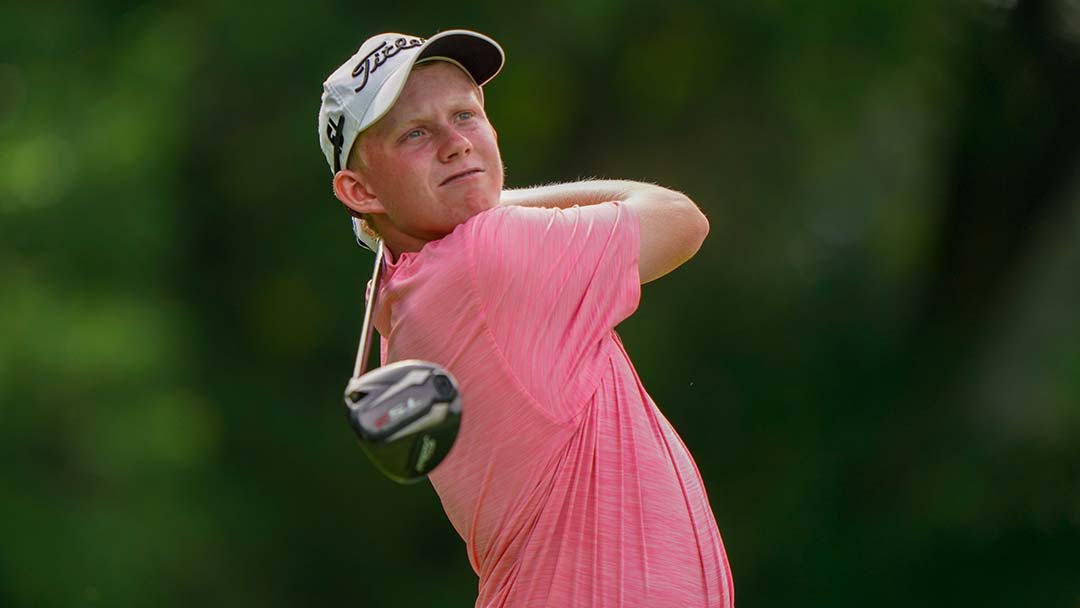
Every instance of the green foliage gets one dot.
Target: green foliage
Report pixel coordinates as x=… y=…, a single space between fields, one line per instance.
x=874 y=359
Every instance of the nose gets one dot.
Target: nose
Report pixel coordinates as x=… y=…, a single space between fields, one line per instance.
x=455 y=144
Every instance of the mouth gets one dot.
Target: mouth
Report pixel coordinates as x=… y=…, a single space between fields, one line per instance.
x=457 y=176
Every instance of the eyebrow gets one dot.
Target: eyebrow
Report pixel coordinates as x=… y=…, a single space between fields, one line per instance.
x=457 y=102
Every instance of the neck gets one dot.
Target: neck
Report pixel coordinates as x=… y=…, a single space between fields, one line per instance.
x=397 y=242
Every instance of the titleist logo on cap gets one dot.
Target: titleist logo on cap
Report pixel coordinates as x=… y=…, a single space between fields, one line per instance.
x=376 y=58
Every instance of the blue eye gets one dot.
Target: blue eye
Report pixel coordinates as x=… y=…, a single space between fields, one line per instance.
x=466 y=115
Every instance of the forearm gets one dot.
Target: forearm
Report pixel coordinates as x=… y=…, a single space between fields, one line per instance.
x=672 y=226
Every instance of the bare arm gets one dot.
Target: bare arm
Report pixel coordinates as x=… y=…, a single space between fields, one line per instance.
x=672 y=227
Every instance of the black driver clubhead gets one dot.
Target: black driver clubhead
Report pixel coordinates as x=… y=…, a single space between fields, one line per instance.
x=407 y=416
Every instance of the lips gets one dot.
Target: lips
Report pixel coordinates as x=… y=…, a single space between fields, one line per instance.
x=460 y=175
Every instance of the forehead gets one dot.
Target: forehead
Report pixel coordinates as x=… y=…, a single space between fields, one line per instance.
x=430 y=85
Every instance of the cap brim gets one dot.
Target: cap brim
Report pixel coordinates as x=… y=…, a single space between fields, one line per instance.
x=481 y=56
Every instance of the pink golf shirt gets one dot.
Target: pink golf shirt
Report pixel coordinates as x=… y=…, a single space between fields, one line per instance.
x=568 y=485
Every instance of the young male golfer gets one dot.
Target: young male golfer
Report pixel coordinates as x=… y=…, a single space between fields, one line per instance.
x=567 y=484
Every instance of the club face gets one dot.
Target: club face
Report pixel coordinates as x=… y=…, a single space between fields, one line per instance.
x=406 y=415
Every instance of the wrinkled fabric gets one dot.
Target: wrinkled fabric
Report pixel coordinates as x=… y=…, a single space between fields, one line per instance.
x=567 y=484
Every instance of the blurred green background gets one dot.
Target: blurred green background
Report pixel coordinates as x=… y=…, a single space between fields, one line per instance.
x=875 y=358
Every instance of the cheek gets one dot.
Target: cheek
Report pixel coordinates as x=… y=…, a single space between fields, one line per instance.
x=492 y=141
x=394 y=177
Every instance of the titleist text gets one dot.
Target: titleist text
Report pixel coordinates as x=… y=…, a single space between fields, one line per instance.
x=376 y=58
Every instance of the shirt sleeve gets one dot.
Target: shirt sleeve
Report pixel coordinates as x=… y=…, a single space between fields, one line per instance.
x=553 y=284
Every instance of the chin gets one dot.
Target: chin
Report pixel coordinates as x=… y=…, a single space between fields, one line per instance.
x=483 y=202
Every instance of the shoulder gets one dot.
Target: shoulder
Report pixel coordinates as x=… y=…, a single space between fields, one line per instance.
x=515 y=222
x=504 y=227
x=511 y=216
x=518 y=233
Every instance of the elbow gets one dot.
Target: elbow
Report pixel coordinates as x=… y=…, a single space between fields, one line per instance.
x=701 y=227
x=696 y=225
x=673 y=229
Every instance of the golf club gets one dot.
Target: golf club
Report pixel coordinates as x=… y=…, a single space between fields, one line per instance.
x=406 y=414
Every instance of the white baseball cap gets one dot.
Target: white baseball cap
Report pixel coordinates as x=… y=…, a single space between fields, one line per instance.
x=365 y=87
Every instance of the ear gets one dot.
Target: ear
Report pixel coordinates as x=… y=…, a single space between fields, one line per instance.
x=353 y=191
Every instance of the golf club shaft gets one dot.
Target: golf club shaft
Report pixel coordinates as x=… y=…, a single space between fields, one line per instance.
x=369 y=309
